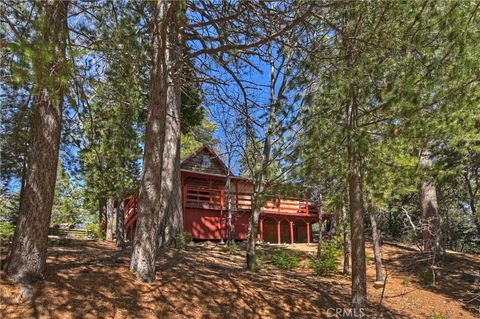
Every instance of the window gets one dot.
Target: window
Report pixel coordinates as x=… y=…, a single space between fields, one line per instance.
x=204 y=161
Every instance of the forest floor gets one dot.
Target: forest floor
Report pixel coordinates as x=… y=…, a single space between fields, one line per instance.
x=91 y=279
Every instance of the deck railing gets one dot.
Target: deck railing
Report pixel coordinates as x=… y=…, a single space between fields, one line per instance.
x=214 y=198
x=217 y=199
x=289 y=205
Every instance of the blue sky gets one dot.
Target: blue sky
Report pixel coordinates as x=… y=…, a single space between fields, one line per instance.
x=257 y=91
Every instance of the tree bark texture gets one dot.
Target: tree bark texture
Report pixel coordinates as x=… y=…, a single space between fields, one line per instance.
x=102 y=216
x=320 y=233
x=346 y=243
x=377 y=250
x=253 y=227
x=28 y=252
x=120 y=226
x=432 y=231
x=359 y=270
x=172 y=220
x=171 y=223
x=110 y=208
x=151 y=201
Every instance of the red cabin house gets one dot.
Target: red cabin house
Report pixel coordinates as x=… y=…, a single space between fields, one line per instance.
x=204 y=176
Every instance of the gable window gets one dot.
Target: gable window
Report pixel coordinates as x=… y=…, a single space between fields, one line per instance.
x=204 y=161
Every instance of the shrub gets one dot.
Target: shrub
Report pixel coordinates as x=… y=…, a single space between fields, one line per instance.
x=6 y=232
x=93 y=231
x=427 y=276
x=232 y=249
x=406 y=279
x=437 y=315
x=369 y=258
x=260 y=261
x=283 y=258
x=183 y=239
x=328 y=260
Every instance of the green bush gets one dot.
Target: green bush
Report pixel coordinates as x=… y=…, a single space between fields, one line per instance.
x=406 y=279
x=427 y=276
x=232 y=249
x=283 y=258
x=6 y=232
x=328 y=261
x=183 y=239
x=260 y=261
x=437 y=315
x=369 y=258
x=93 y=231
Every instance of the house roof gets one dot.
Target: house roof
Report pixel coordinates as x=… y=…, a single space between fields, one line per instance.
x=205 y=148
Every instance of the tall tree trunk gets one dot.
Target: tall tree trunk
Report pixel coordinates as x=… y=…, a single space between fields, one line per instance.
x=447 y=230
x=320 y=233
x=151 y=201
x=261 y=175
x=110 y=208
x=120 y=226
x=102 y=217
x=473 y=207
x=228 y=188
x=429 y=206
x=28 y=252
x=377 y=250
x=443 y=207
x=172 y=222
x=346 y=242
x=355 y=159
x=257 y=202
x=24 y=179
x=359 y=269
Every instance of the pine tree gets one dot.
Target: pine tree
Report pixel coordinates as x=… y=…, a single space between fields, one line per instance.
x=164 y=99
x=28 y=252
x=374 y=93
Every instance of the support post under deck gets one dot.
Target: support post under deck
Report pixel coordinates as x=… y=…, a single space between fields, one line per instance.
x=261 y=229
x=308 y=233
x=291 y=233
x=278 y=232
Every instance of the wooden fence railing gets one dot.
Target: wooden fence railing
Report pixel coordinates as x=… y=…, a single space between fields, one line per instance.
x=68 y=233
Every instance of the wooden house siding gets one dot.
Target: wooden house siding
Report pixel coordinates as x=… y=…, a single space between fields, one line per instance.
x=205 y=162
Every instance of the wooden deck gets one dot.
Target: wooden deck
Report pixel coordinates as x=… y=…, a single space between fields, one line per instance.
x=217 y=199
x=205 y=215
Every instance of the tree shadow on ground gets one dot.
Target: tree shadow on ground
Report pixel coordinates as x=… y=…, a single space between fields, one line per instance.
x=217 y=285
x=448 y=275
x=88 y=279
x=84 y=279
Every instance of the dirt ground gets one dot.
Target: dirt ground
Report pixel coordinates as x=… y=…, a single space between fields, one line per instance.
x=90 y=279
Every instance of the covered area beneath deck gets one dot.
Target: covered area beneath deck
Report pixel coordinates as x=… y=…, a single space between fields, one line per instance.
x=283 y=229
x=291 y=229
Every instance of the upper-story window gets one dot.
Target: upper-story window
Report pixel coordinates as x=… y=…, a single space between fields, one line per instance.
x=204 y=161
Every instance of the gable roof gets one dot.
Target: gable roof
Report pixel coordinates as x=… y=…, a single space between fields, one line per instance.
x=205 y=149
